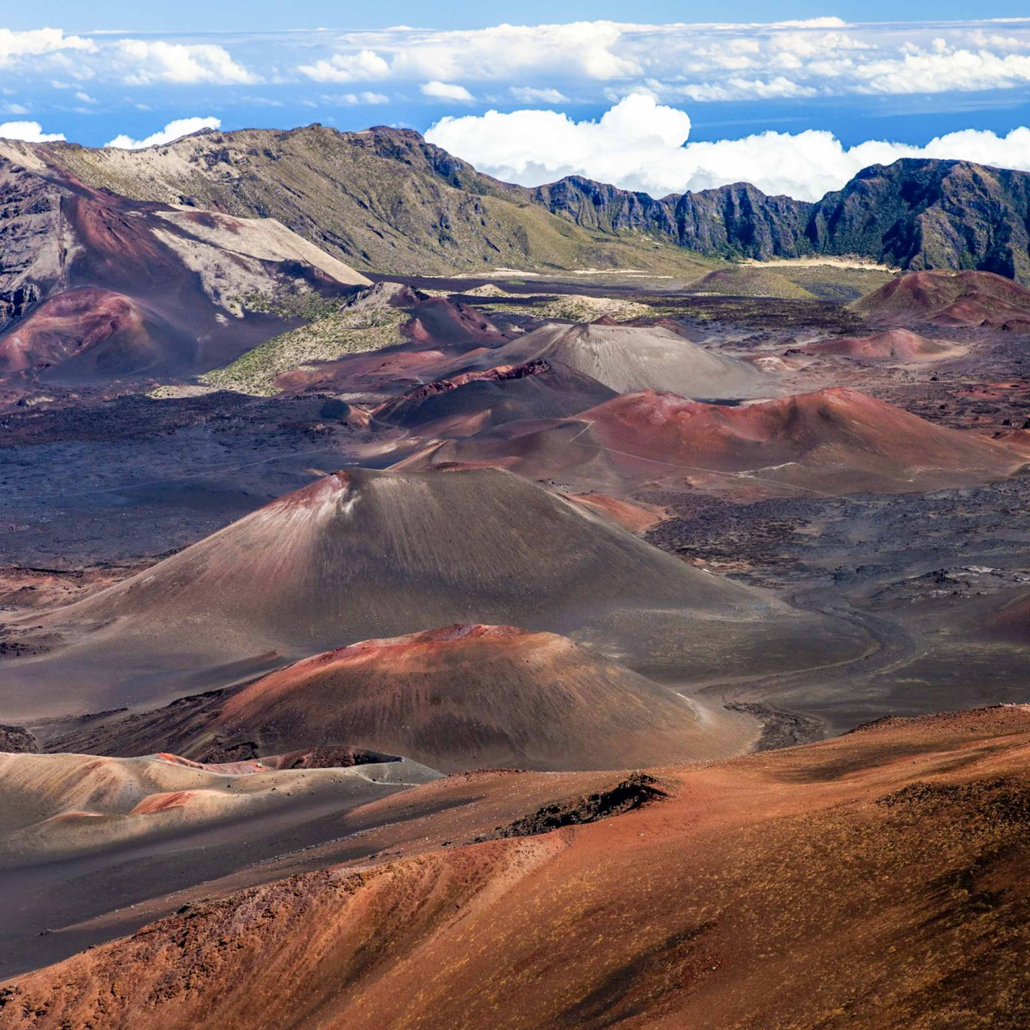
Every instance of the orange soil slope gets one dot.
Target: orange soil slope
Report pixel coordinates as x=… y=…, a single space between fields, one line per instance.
x=876 y=880
x=830 y=441
x=473 y=696
x=965 y=299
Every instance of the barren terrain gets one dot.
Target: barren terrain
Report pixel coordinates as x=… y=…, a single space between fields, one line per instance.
x=542 y=648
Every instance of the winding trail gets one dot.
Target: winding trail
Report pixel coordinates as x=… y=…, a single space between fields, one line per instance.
x=891 y=647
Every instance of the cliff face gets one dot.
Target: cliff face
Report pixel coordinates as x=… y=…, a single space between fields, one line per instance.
x=731 y=221
x=742 y=220
x=915 y=214
x=930 y=214
x=387 y=200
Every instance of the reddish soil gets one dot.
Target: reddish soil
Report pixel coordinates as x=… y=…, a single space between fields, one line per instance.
x=1010 y=622
x=22 y=587
x=637 y=518
x=878 y=879
x=963 y=299
x=72 y=323
x=163 y=802
x=892 y=345
x=836 y=440
x=366 y=370
x=472 y=695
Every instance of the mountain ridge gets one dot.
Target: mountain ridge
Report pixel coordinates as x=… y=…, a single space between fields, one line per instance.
x=386 y=199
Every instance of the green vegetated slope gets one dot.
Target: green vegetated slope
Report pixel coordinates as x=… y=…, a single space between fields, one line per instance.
x=367 y=324
x=381 y=199
x=923 y=214
x=750 y=281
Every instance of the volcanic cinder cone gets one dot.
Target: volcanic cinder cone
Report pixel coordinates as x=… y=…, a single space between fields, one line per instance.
x=363 y=554
x=471 y=401
x=625 y=357
x=832 y=441
x=893 y=345
x=469 y=696
x=965 y=299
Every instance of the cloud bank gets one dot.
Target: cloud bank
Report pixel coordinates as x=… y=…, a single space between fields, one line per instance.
x=146 y=62
x=697 y=62
x=172 y=131
x=30 y=132
x=34 y=43
x=640 y=144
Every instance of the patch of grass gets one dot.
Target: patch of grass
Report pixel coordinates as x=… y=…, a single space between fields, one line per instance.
x=750 y=281
x=292 y=303
x=325 y=339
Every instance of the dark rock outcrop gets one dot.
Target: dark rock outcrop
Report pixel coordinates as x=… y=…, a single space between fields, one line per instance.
x=915 y=214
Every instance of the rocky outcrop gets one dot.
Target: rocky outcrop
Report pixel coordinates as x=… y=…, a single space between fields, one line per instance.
x=922 y=214
x=16 y=302
x=913 y=214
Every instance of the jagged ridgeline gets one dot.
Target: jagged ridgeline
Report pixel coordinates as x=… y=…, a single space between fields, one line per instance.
x=384 y=199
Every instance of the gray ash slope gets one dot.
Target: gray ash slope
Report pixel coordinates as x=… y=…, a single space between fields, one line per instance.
x=367 y=554
x=630 y=357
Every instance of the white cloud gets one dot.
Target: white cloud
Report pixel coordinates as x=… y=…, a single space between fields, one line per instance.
x=145 y=62
x=811 y=23
x=30 y=132
x=940 y=68
x=544 y=64
x=172 y=131
x=85 y=98
x=798 y=58
x=641 y=145
x=364 y=66
x=14 y=109
x=535 y=95
x=736 y=87
x=577 y=49
x=445 y=91
x=37 y=42
x=352 y=99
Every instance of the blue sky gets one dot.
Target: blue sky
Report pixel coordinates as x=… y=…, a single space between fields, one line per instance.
x=274 y=15
x=765 y=93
